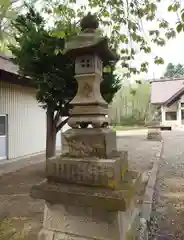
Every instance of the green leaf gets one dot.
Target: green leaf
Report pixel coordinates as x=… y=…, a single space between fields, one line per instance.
x=133 y=70
x=154 y=32
x=123 y=38
x=106 y=13
x=175 y=7
x=153 y=7
x=123 y=51
x=125 y=65
x=158 y=60
x=163 y=24
x=146 y=49
x=179 y=27
x=58 y=34
x=144 y=64
x=107 y=69
x=170 y=8
x=58 y=51
x=132 y=51
x=182 y=16
x=159 y=41
x=170 y=33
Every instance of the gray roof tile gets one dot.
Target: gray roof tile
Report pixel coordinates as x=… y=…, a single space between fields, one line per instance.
x=163 y=90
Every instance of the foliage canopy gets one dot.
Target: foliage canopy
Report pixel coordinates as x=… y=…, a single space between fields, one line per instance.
x=133 y=26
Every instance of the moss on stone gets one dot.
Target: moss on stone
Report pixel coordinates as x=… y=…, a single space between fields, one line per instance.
x=10 y=231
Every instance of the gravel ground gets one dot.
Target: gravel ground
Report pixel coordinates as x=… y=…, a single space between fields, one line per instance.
x=21 y=216
x=168 y=209
x=141 y=152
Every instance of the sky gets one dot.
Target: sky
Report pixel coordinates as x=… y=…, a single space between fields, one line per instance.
x=171 y=52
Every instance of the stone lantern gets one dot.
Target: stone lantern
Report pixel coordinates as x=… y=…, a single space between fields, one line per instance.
x=154 y=131
x=89 y=192
x=91 y=53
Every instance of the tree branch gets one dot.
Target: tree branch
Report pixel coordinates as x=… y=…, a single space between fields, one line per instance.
x=61 y=124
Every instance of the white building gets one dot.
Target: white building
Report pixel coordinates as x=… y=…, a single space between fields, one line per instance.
x=168 y=95
x=22 y=120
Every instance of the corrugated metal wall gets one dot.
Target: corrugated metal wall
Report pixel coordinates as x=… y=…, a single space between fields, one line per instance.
x=26 y=120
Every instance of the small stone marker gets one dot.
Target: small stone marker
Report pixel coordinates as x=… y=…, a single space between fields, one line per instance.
x=154 y=131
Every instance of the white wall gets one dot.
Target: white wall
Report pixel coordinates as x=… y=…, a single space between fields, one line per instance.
x=182 y=99
x=26 y=120
x=58 y=140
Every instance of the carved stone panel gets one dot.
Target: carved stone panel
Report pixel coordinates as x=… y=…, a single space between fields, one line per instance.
x=98 y=172
x=87 y=90
x=91 y=142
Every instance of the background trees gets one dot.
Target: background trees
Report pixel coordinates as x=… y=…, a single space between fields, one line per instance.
x=174 y=71
x=8 y=11
x=131 y=105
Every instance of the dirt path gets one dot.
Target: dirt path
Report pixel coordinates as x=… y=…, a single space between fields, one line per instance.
x=168 y=214
x=21 y=216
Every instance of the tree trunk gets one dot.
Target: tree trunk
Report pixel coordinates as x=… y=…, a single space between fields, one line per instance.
x=51 y=135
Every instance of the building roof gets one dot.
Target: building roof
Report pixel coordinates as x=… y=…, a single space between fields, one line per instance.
x=165 y=91
x=9 y=72
x=7 y=65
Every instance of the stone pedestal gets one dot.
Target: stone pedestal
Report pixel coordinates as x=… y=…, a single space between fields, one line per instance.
x=81 y=212
x=154 y=133
x=69 y=222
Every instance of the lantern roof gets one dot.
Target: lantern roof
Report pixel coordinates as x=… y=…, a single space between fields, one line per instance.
x=90 y=42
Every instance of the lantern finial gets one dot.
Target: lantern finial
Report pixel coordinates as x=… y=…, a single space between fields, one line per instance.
x=89 y=22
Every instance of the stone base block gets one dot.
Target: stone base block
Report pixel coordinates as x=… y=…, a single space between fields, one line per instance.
x=64 y=144
x=82 y=223
x=94 y=197
x=88 y=142
x=90 y=171
x=154 y=133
